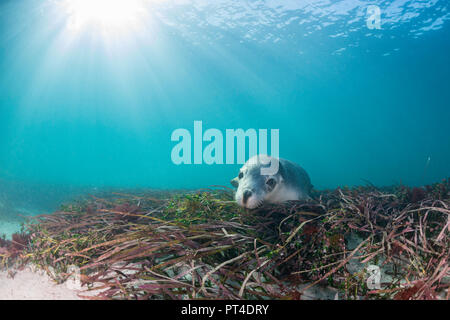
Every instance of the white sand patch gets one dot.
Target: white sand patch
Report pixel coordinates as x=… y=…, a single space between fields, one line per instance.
x=8 y=228
x=29 y=285
x=11 y=223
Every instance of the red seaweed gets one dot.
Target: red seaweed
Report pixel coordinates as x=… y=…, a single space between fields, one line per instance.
x=190 y=245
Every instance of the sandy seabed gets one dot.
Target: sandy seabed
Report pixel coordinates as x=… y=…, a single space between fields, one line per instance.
x=8 y=228
x=27 y=284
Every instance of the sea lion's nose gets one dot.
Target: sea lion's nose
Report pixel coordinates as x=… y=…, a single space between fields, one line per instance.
x=247 y=194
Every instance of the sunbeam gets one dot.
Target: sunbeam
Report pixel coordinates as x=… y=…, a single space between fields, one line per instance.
x=106 y=15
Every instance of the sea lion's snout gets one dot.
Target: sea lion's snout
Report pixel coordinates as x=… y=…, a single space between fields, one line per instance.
x=250 y=191
x=247 y=194
x=248 y=199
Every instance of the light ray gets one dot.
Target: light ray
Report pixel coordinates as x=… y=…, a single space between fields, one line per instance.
x=107 y=15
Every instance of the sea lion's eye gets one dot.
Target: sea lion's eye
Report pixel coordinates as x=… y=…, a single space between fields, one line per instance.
x=271 y=183
x=240 y=175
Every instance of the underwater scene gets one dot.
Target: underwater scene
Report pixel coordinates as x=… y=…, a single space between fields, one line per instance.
x=225 y=149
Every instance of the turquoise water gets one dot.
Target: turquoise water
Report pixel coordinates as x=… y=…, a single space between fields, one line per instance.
x=90 y=92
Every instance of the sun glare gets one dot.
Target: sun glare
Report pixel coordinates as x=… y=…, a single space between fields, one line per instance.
x=105 y=14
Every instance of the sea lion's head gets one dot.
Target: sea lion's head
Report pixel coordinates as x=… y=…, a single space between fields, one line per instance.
x=258 y=179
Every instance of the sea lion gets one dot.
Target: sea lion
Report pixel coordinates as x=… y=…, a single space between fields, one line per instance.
x=289 y=182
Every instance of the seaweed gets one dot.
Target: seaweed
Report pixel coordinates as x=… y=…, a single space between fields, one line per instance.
x=201 y=245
